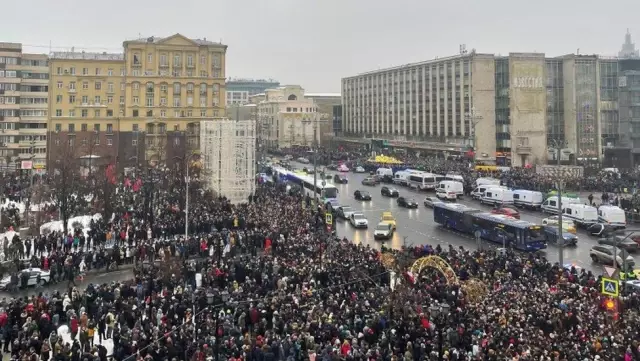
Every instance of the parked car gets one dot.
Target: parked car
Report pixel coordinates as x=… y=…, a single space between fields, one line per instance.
x=359 y=169
x=344 y=212
x=369 y=181
x=362 y=195
x=621 y=242
x=429 y=201
x=507 y=212
x=340 y=179
x=567 y=224
x=358 y=220
x=551 y=235
x=383 y=231
x=406 y=203
x=604 y=254
x=389 y=192
x=33 y=273
x=387 y=217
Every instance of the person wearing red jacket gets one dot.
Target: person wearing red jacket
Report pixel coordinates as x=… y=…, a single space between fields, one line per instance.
x=74 y=327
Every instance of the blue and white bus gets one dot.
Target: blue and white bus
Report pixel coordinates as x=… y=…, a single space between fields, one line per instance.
x=327 y=193
x=521 y=235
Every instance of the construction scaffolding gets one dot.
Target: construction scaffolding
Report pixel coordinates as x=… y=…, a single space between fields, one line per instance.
x=229 y=149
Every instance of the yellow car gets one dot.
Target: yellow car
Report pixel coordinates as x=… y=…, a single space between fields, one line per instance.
x=387 y=217
x=567 y=224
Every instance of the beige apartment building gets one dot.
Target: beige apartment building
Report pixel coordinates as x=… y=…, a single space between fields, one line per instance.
x=24 y=85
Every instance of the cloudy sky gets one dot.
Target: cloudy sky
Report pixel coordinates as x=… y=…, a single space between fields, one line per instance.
x=314 y=43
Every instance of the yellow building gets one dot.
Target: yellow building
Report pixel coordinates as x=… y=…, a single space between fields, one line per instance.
x=172 y=84
x=142 y=106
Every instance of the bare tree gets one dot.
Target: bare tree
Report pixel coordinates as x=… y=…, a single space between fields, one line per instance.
x=104 y=190
x=67 y=188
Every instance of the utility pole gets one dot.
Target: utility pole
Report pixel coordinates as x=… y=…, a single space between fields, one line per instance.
x=557 y=147
x=473 y=119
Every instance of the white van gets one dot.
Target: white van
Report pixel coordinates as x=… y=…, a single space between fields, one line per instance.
x=454 y=177
x=612 y=215
x=479 y=190
x=401 y=177
x=449 y=190
x=487 y=181
x=550 y=205
x=499 y=196
x=381 y=172
x=527 y=199
x=581 y=214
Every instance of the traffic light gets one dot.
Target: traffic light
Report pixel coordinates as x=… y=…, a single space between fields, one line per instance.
x=610 y=305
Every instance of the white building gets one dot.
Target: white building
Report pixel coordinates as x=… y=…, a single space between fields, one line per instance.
x=229 y=148
x=237 y=97
x=288 y=118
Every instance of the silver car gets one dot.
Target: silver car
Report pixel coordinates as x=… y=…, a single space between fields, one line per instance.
x=45 y=276
x=604 y=254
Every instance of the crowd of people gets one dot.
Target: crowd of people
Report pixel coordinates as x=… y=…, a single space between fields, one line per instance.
x=260 y=281
x=264 y=281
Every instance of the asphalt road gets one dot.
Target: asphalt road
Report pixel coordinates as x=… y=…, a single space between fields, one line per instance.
x=124 y=272
x=416 y=226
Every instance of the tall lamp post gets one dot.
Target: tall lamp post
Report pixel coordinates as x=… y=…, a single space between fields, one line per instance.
x=473 y=118
x=186 y=206
x=558 y=145
x=439 y=314
x=314 y=122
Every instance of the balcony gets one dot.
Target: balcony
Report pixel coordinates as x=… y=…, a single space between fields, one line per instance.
x=136 y=64
x=523 y=149
x=102 y=104
x=33 y=131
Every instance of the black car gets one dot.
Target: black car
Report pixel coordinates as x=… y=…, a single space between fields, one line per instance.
x=407 y=203
x=621 y=242
x=362 y=195
x=389 y=192
x=340 y=179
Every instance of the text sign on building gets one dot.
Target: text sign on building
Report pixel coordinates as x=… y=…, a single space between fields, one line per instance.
x=527 y=82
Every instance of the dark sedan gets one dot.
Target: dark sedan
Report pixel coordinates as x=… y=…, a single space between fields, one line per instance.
x=621 y=242
x=340 y=179
x=362 y=195
x=389 y=192
x=407 y=203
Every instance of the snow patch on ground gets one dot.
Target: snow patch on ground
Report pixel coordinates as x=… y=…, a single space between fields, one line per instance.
x=84 y=221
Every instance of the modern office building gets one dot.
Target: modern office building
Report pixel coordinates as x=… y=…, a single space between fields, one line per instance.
x=287 y=118
x=143 y=106
x=229 y=150
x=239 y=90
x=517 y=109
x=24 y=86
x=324 y=103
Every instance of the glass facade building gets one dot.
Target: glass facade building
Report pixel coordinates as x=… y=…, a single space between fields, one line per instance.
x=503 y=120
x=555 y=101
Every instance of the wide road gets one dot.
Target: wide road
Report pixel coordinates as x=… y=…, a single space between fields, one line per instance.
x=416 y=226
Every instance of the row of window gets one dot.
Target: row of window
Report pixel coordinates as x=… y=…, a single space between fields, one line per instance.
x=177 y=59
x=71 y=141
x=97 y=113
x=149 y=87
x=215 y=73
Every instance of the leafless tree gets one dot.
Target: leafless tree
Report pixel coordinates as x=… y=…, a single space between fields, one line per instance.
x=66 y=186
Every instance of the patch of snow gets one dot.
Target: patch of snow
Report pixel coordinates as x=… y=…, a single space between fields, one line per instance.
x=57 y=225
x=65 y=333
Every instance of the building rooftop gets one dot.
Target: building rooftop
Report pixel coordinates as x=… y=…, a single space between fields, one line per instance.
x=247 y=80
x=159 y=40
x=74 y=55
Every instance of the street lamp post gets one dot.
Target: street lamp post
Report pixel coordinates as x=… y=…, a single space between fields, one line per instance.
x=473 y=118
x=439 y=314
x=186 y=206
x=558 y=145
x=314 y=122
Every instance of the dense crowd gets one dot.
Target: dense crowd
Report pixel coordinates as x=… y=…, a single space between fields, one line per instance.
x=259 y=281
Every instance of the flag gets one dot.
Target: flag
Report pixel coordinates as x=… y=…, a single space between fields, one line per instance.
x=127 y=182
x=137 y=185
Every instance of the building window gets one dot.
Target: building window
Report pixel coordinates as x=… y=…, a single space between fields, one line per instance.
x=163 y=101
x=189 y=60
x=216 y=73
x=96 y=128
x=58 y=98
x=59 y=71
x=216 y=88
x=72 y=113
x=110 y=72
x=85 y=113
x=97 y=99
x=109 y=141
x=110 y=99
x=97 y=71
x=96 y=113
x=203 y=101
x=163 y=60
x=109 y=128
x=135 y=86
x=58 y=128
x=72 y=85
x=83 y=127
x=123 y=86
x=203 y=59
x=110 y=87
x=72 y=128
x=163 y=113
x=176 y=60
x=149 y=57
x=135 y=113
x=176 y=102
x=85 y=71
x=121 y=100
x=98 y=85
x=73 y=71
x=85 y=85
x=203 y=73
x=136 y=100
x=109 y=113
x=176 y=88
x=189 y=101
x=58 y=112
x=149 y=113
x=97 y=141
x=136 y=59
x=163 y=88
x=203 y=112
x=85 y=99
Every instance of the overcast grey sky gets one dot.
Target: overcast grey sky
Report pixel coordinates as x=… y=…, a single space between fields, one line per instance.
x=314 y=43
